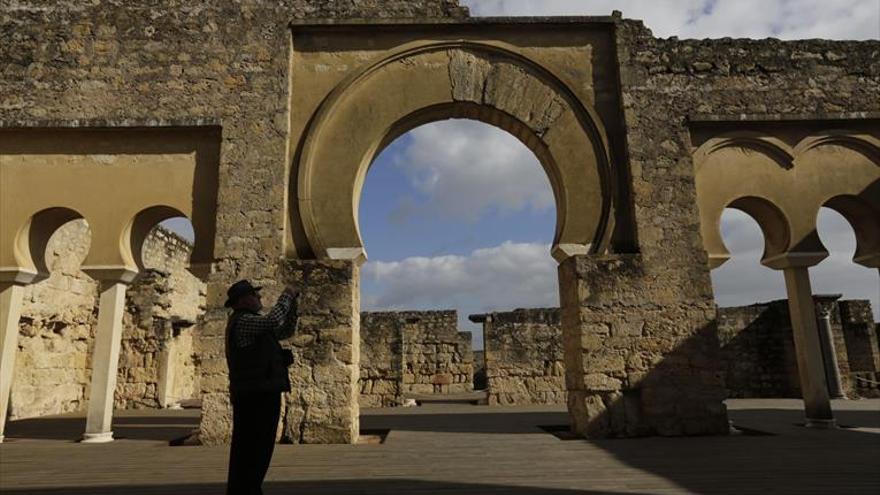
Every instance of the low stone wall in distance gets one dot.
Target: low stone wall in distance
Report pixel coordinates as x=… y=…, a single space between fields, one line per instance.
x=413 y=352
x=524 y=356
x=381 y=366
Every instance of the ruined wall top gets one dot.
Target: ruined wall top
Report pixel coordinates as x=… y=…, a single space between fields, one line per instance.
x=296 y=9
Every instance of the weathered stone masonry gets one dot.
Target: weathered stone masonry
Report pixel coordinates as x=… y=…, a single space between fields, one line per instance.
x=524 y=360
x=413 y=352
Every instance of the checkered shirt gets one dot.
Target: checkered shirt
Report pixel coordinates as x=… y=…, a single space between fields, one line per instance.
x=280 y=321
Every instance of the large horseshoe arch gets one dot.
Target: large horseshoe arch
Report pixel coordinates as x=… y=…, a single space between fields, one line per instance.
x=428 y=81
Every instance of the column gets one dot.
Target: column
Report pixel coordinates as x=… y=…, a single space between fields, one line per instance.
x=10 y=311
x=105 y=362
x=832 y=369
x=817 y=406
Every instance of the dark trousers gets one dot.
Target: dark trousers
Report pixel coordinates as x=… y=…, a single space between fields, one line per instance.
x=254 y=425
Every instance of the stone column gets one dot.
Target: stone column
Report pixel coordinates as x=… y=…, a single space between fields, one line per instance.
x=817 y=406
x=165 y=387
x=10 y=311
x=832 y=367
x=105 y=361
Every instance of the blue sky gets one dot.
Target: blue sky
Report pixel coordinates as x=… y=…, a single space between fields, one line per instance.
x=460 y=215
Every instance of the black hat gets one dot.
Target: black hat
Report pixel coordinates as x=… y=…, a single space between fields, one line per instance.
x=238 y=290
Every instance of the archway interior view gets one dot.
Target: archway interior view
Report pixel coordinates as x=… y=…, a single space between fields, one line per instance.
x=754 y=324
x=812 y=193
x=459 y=295
x=55 y=355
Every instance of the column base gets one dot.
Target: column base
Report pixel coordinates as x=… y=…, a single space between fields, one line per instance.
x=821 y=424
x=104 y=437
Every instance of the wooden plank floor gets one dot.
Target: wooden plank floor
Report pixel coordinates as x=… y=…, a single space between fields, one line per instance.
x=462 y=449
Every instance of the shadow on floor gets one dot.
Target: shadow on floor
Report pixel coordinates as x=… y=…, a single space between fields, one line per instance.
x=489 y=422
x=794 y=459
x=159 y=428
x=335 y=487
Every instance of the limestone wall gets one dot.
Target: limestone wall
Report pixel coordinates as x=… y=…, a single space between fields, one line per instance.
x=381 y=376
x=860 y=336
x=157 y=366
x=437 y=358
x=413 y=352
x=323 y=404
x=59 y=316
x=524 y=357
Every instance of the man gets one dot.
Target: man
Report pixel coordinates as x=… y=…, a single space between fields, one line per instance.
x=257 y=377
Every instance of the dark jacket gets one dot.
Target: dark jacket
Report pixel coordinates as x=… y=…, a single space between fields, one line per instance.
x=259 y=367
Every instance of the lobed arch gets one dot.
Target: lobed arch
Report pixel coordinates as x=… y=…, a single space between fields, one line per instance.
x=32 y=239
x=864 y=218
x=838 y=169
x=422 y=82
x=772 y=221
x=139 y=228
x=122 y=181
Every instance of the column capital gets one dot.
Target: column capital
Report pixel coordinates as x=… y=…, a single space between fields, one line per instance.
x=111 y=274
x=356 y=254
x=562 y=252
x=19 y=276
x=794 y=259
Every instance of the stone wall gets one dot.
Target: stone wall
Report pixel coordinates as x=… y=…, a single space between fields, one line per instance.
x=860 y=336
x=381 y=378
x=647 y=312
x=413 y=352
x=52 y=368
x=641 y=351
x=157 y=363
x=524 y=356
x=758 y=352
x=437 y=358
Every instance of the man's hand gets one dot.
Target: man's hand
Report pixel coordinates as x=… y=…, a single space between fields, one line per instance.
x=291 y=291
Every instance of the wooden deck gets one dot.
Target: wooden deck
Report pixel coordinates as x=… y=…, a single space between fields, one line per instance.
x=461 y=449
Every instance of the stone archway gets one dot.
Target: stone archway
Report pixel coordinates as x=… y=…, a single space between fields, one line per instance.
x=380 y=98
x=429 y=81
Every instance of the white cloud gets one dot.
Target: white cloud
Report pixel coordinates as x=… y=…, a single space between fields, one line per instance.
x=465 y=169
x=499 y=278
x=743 y=280
x=786 y=19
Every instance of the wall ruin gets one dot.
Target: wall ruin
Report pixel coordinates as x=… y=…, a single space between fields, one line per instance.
x=524 y=359
x=411 y=353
